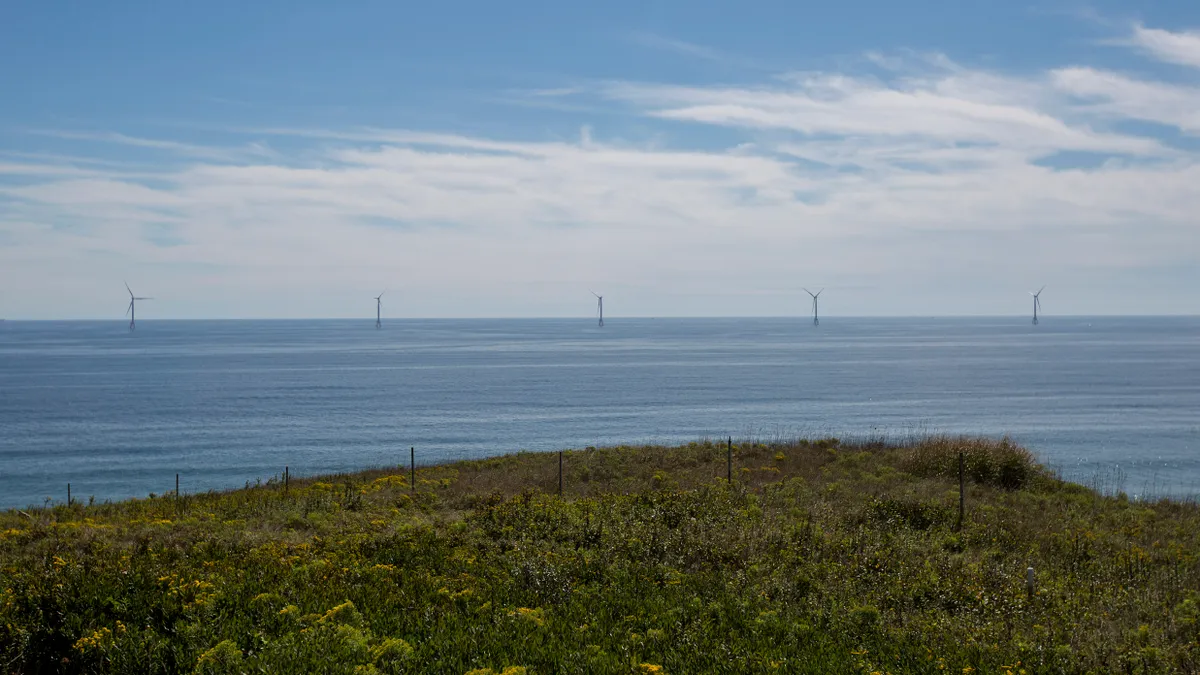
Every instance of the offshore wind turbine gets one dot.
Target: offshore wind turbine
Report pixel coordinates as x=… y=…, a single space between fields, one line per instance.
x=816 y=319
x=131 y=312
x=1037 y=303
x=600 y=307
x=379 y=310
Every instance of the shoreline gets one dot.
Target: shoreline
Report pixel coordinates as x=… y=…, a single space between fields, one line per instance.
x=1105 y=482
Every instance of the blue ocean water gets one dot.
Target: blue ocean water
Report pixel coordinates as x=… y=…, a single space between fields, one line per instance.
x=117 y=414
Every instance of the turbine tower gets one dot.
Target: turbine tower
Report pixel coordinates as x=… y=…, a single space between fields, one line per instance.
x=379 y=310
x=1037 y=303
x=600 y=307
x=131 y=312
x=816 y=319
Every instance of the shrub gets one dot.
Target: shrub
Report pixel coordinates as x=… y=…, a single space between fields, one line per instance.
x=223 y=659
x=999 y=463
x=391 y=652
x=864 y=618
x=914 y=514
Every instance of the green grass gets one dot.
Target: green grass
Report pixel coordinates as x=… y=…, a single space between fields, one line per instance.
x=821 y=557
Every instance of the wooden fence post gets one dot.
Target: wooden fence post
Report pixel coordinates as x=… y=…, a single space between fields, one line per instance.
x=176 y=486
x=961 y=491
x=560 y=473
x=412 y=468
x=68 y=494
x=286 y=480
x=729 y=461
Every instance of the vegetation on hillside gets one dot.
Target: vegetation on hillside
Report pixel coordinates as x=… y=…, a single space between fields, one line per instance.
x=820 y=557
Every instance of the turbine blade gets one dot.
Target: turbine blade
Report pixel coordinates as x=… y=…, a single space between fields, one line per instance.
x=1041 y=289
x=129 y=308
x=809 y=292
x=127 y=288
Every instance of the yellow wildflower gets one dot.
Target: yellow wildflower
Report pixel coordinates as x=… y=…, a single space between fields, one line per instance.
x=534 y=616
x=100 y=639
x=345 y=613
x=224 y=657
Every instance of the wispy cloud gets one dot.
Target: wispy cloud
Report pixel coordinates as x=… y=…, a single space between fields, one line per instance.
x=555 y=92
x=692 y=50
x=969 y=107
x=1118 y=97
x=655 y=41
x=1182 y=47
x=37 y=169
x=190 y=150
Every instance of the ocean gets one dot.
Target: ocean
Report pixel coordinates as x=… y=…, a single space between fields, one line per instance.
x=1114 y=402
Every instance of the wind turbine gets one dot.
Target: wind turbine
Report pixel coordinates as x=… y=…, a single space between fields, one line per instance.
x=600 y=307
x=379 y=310
x=132 y=311
x=1037 y=303
x=816 y=320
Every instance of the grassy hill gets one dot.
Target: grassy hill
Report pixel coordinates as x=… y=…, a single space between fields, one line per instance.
x=820 y=557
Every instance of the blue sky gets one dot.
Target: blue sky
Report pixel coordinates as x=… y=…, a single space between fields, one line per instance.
x=293 y=159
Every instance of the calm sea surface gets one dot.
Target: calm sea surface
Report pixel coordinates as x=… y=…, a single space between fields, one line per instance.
x=117 y=414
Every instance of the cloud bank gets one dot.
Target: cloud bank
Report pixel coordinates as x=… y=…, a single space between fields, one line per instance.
x=916 y=176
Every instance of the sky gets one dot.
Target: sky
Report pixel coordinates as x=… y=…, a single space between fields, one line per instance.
x=481 y=159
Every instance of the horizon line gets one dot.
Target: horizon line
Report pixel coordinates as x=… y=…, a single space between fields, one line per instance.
x=618 y=317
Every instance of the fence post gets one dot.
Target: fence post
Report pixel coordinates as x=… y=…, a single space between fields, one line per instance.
x=176 y=486
x=729 y=461
x=286 y=480
x=1029 y=583
x=560 y=476
x=961 y=491
x=68 y=494
x=412 y=468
